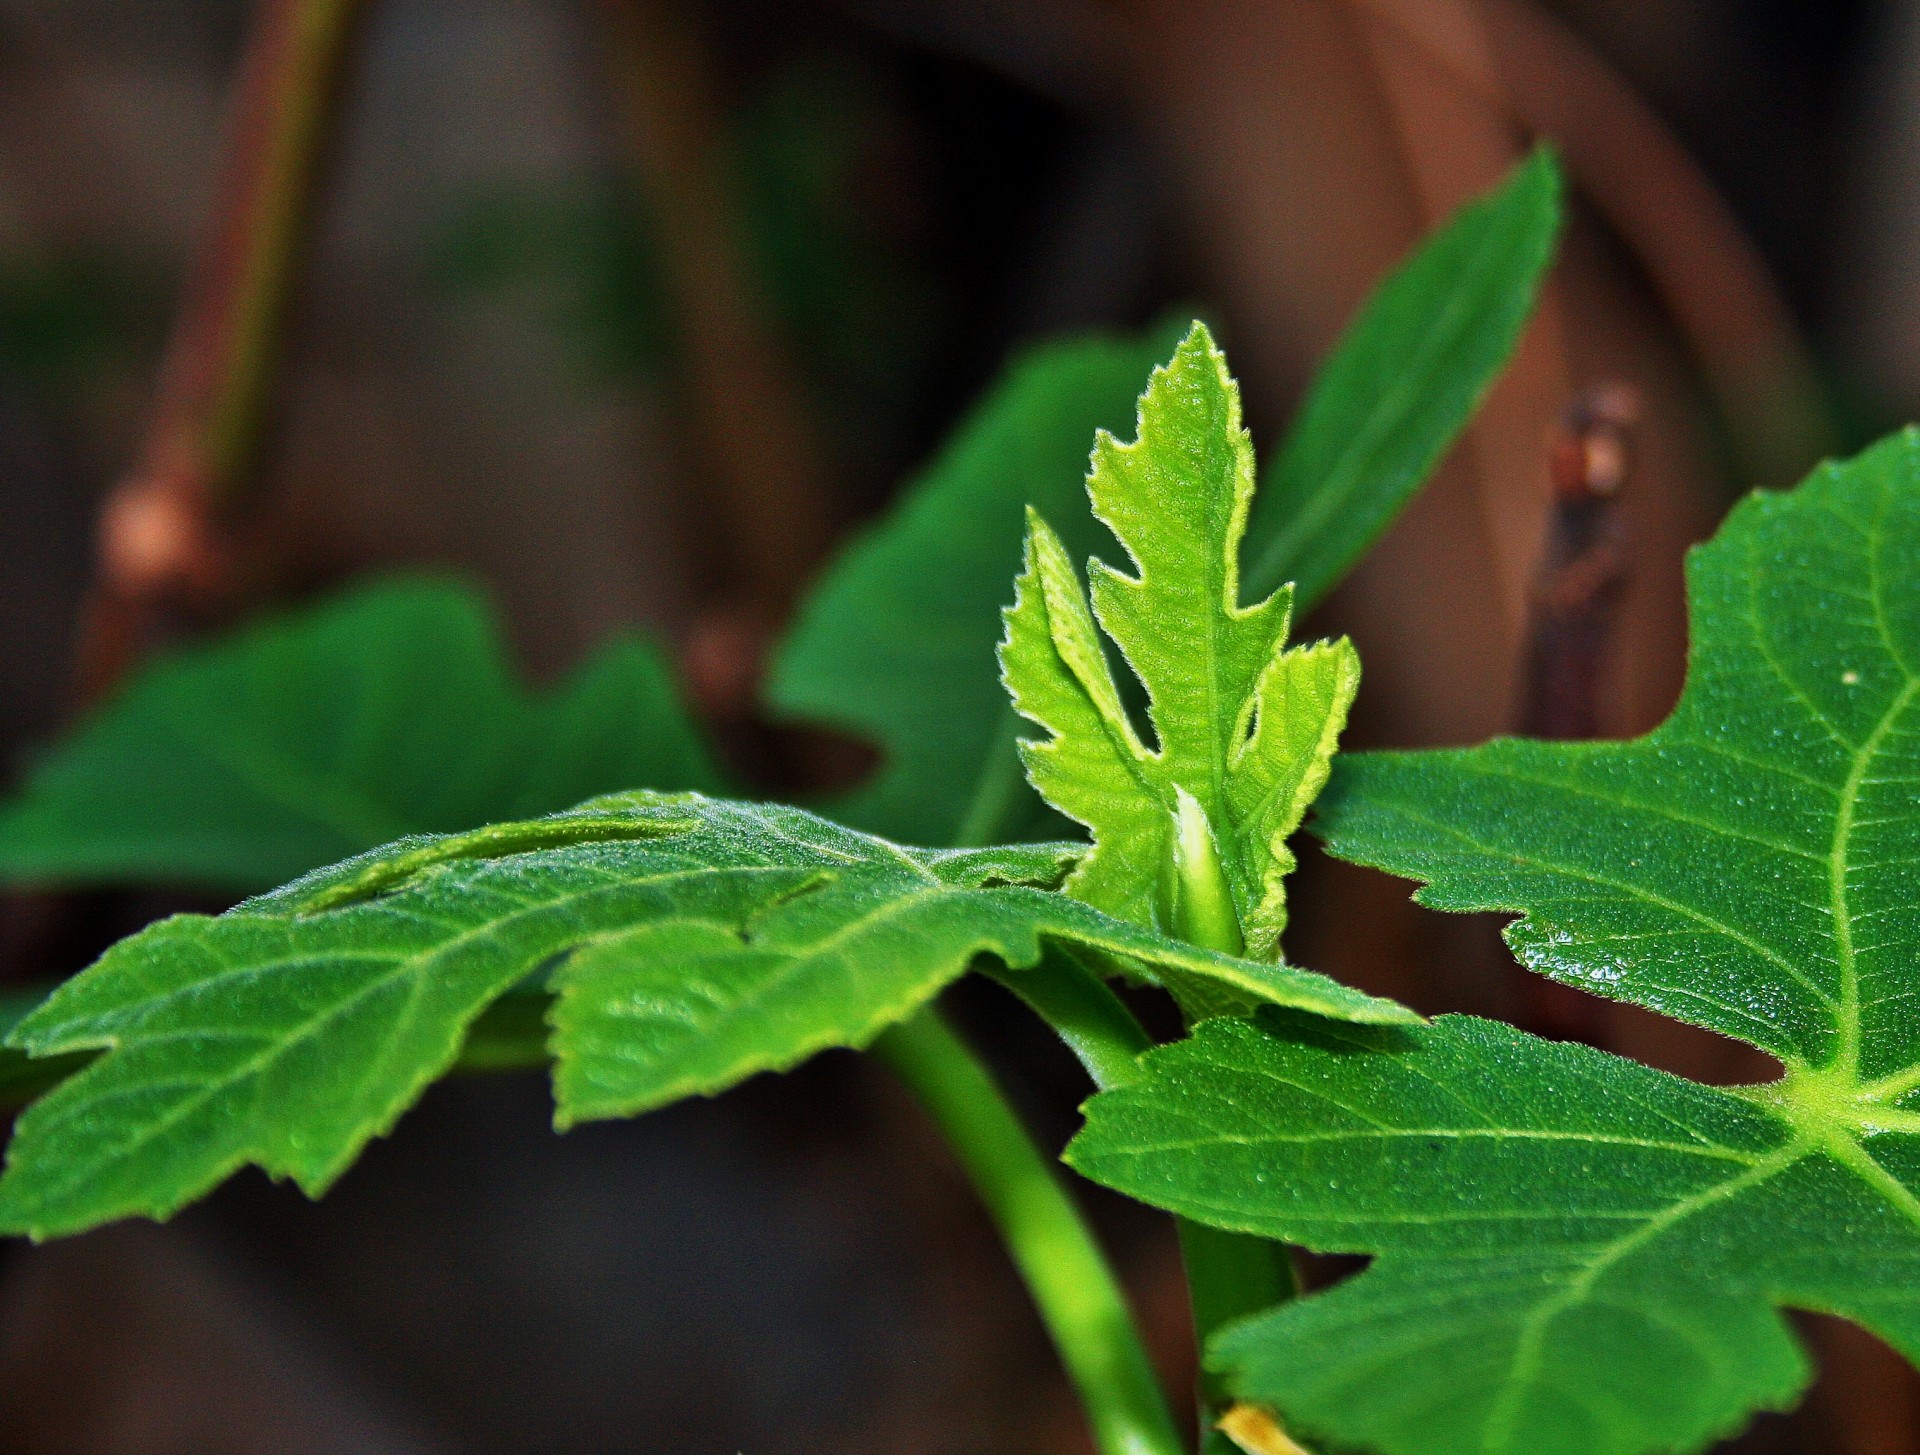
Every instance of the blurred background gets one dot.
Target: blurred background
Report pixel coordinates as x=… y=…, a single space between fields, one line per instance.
x=633 y=309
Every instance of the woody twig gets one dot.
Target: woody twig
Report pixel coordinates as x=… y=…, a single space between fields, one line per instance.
x=1583 y=568
x=162 y=548
x=764 y=512
x=1576 y=594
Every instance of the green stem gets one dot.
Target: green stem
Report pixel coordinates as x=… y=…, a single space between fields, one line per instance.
x=288 y=111
x=1229 y=1275
x=1072 y=1285
x=1084 y=1013
x=223 y=355
x=161 y=542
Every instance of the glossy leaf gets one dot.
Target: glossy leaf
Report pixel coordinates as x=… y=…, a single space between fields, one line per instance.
x=387 y=711
x=1576 y=1253
x=1573 y=1253
x=1749 y=865
x=896 y=643
x=1401 y=385
x=1243 y=729
x=690 y=943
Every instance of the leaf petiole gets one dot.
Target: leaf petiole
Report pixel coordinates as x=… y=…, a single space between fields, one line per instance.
x=1084 y=1012
x=1229 y=1275
x=1071 y=1282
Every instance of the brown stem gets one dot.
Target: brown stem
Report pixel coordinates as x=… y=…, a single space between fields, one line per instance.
x=1583 y=569
x=160 y=545
x=772 y=514
x=1575 y=599
x=1454 y=141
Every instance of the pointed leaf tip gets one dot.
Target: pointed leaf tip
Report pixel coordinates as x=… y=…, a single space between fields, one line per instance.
x=1241 y=724
x=1402 y=382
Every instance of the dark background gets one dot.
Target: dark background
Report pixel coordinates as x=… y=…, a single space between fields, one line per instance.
x=496 y=363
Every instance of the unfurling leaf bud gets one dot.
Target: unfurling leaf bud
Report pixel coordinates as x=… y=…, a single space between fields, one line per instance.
x=1199 y=901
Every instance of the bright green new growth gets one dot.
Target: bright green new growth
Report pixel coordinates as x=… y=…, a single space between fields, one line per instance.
x=1243 y=728
x=1577 y=1255
x=696 y=942
x=653 y=946
x=897 y=641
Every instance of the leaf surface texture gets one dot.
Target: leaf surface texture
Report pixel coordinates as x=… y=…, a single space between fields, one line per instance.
x=689 y=943
x=1575 y=1253
x=1239 y=723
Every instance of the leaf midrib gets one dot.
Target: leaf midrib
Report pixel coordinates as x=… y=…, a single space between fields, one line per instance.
x=1707 y=1150
x=1843 y=1146
x=1528 y=1347
x=798 y=960
x=1847 y=1014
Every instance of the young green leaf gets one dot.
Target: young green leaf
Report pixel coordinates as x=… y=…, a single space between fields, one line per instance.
x=387 y=711
x=694 y=942
x=1401 y=384
x=1577 y=1254
x=893 y=644
x=896 y=644
x=1243 y=728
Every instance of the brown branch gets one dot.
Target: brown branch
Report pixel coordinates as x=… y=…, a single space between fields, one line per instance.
x=1583 y=568
x=1455 y=142
x=161 y=545
x=772 y=510
x=1576 y=595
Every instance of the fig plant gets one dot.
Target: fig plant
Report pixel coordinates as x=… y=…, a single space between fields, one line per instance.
x=1572 y=1252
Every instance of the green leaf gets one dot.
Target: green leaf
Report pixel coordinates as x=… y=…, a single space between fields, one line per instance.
x=1243 y=728
x=510 y=1035
x=896 y=644
x=387 y=711
x=1747 y=866
x=1575 y=1253
x=1401 y=384
x=691 y=942
x=21 y=1077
